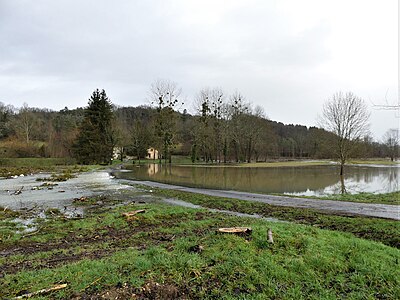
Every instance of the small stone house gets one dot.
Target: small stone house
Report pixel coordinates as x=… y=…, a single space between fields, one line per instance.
x=152 y=153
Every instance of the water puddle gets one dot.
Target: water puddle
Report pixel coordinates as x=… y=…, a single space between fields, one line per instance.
x=27 y=225
x=27 y=193
x=228 y=212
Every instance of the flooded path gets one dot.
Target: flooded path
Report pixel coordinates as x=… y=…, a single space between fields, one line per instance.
x=223 y=211
x=341 y=207
x=61 y=194
x=98 y=182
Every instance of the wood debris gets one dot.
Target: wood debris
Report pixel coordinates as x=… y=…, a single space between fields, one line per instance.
x=43 y=291
x=81 y=199
x=17 y=192
x=236 y=230
x=131 y=215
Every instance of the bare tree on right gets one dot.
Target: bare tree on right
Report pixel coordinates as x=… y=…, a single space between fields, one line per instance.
x=347 y=116
x=391 y=140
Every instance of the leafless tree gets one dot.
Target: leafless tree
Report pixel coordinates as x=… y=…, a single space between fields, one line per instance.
x=345 y=115
x=209 y=104
x=391 y=139
x=165 y=96
x=25 y=122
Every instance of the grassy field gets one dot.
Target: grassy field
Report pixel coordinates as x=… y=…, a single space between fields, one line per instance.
x=383 y=230
x=386 y=198
x=17 y=166
x=374 y=162
x=174 y=253
x=35 y=162
x=276 y=164
x=183 y=160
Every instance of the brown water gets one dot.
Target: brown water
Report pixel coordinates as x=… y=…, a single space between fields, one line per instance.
x=310 y=180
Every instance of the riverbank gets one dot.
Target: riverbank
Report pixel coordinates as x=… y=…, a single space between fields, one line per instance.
x=386 y=198
x=174 y=252
x=328 y=206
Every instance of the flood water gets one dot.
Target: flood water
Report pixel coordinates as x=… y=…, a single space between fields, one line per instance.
x=310 y=180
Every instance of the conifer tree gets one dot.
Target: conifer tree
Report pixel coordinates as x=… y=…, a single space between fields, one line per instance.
x=95 y=142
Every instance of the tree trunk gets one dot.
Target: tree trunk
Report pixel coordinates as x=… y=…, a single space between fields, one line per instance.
x=343 y=187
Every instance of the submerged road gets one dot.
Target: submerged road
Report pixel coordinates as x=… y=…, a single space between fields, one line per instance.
x=339 y=207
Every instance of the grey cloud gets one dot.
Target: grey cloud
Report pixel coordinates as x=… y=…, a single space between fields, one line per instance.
x=54 y=53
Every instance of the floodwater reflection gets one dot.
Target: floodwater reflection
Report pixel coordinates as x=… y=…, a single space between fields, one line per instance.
x=310 y=180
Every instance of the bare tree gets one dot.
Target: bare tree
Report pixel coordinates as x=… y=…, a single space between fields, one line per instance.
x=164 y=95
x=238 y=109
x=209 y=132
x=391 y=139
x=25 y=122
x=345 y=115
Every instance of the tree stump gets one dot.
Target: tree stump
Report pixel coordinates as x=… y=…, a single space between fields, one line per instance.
x=270 y=238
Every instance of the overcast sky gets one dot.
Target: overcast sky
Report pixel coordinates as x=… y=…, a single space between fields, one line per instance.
x=286 y=56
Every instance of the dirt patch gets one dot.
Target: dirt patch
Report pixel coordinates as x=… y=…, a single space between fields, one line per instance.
x=114 y=238
x=150 y=290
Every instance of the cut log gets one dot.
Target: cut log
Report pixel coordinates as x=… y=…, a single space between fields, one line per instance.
x=236 y=230
x=133 y=213
x=44 y=291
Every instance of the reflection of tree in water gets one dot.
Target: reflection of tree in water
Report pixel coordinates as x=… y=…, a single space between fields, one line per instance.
x=266 y=180
x=367 y=179
x=391 y=181
x=316 y=180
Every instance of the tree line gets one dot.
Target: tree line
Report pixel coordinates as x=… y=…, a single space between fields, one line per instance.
x=224 y=128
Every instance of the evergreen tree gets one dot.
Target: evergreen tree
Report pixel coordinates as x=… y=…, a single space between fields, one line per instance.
x=95 y=142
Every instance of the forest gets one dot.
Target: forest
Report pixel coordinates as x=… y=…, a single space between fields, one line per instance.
x=225 y=128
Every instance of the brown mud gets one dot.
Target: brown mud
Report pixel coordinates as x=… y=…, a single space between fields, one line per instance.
x=106 y=241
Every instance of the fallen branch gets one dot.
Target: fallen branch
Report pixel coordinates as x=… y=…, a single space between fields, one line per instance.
x=44 y=291
x=92 y=283
x=133 y=213
x=31 y=233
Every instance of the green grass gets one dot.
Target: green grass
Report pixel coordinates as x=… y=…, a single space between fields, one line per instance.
x=275 y=164
x=35 y=162
x=374 y=162
x=151 y=256
x=382 y=230
x=386 y=198
x=291 y=163
x=17 y=166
